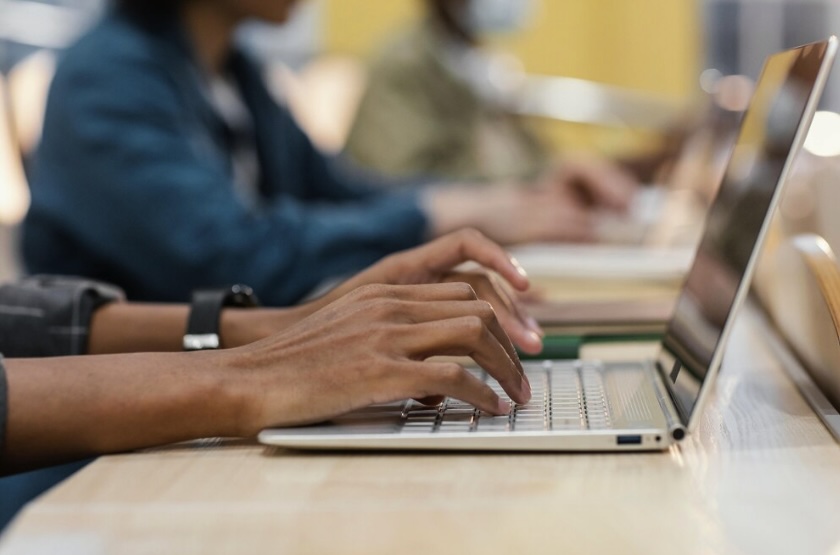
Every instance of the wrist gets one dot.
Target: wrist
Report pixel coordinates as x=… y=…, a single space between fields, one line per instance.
x=243 y=326
x=203 y=330
x=236 y=374
x=456 y=207
x=448 y=208
x=220 y=394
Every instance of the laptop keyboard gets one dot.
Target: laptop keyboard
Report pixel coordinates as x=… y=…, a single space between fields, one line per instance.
x=566 y=395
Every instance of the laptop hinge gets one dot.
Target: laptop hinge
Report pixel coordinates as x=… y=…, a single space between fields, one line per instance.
x=663 y=394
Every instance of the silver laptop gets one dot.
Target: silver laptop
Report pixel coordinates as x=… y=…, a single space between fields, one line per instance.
x=637 y=404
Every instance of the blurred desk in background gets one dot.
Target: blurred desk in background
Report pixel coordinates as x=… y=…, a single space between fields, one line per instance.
x=582 y=273
x=597 y=292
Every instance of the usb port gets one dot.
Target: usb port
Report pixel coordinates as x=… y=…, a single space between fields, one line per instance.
x=629 y=440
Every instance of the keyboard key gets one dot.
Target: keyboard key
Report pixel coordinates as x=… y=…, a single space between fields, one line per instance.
x=565 y=396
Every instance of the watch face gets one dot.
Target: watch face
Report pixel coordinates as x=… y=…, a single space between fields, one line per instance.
x=241 y=296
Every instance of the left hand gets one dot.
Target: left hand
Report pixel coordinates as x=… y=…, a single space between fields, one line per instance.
x=435 y=262
x=589 y=183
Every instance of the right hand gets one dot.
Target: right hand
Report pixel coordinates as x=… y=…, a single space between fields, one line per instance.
x=509 y=215
x=591 y=183
x=559 y=206
x=371 y=346
x=494 y=280
x=538 y=214
x=497 y=279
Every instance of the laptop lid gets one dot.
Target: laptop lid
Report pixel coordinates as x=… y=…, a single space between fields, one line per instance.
x=772 y=131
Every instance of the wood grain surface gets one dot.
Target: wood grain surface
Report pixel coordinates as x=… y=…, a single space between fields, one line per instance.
x=761 y=475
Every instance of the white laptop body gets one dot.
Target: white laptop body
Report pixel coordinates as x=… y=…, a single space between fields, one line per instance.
x=632 y=405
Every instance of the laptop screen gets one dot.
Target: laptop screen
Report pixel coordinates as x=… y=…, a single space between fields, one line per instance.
x=735 y=220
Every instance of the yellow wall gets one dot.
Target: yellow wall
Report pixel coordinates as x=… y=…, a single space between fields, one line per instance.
x=357 y=27
x=646 y=44
x=651 y=45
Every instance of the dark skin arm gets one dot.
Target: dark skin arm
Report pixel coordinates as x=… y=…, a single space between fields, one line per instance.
x=144 y=327
x=371 y=345
x=363 y=343
x=136 y=327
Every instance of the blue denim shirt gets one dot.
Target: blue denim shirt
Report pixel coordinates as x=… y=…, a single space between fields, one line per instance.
x=133 y=182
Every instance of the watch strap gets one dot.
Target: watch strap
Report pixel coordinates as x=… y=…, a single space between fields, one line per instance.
x=205 y=311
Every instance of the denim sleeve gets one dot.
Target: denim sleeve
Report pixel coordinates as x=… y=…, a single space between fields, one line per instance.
x=44 y=316
x=156 y=210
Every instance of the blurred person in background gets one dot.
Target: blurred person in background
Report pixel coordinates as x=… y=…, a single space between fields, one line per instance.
x=165 y=166
x=439 y=103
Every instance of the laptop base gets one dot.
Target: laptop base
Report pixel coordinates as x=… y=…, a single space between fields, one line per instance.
x=576 y=406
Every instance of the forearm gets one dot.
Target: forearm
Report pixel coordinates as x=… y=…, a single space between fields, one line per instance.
x=139 y=327
x=134 y=327
x=71 y=407
x=450 y=208
x=447 y=208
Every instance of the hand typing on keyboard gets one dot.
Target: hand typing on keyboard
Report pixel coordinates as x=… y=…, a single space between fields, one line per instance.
x=437 y=261
x=566 y=395
x=374 y=343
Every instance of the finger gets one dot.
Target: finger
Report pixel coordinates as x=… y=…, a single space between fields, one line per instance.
x=430 y=302
x=424 y=292
x=606 y=184
x=429 y=312
x=468 y=336
x=520 y=327
x=432 y=379
x=532 y=295
x=511 y=297
x=443 y=254
x=432 y=401
x=572 y=224
x=583 y=231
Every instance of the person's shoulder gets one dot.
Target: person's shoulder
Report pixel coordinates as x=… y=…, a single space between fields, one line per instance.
x=112 y=44
x=116 y=64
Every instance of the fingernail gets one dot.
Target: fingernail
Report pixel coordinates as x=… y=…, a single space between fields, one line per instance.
x=532 y=323
x=525 y=386
x=535 y=337
x=518 y=267
x=504 y=407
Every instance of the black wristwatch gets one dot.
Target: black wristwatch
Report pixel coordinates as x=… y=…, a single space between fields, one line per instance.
x=205 y=310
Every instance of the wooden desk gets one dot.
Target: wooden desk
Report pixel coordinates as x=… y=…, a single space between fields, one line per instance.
x=762 y=475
